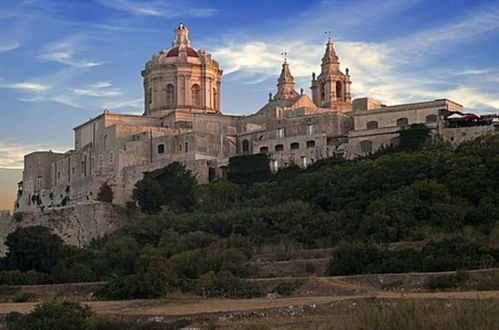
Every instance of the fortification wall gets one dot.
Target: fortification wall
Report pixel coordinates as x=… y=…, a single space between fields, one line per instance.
x=76 y=224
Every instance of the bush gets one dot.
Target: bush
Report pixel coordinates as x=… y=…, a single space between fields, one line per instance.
x=105 y=193
x=225 y=284
x=287 y=288
x=444 y=282
x=50 y=316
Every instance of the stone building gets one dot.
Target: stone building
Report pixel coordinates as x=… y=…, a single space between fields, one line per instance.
x=183 y=122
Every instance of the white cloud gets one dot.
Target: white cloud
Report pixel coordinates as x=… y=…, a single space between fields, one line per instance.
x=26 y=86
x=98 y=89
x=8 y=46
x=159 y=8
x=12 y=155
x=64 y=52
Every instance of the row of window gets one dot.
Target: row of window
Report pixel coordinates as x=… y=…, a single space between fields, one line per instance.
x=310 y=131
x=161 y=148
x=292 y=146
x=401 y=122
x=195 y=95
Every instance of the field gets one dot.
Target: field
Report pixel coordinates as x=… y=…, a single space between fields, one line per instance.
x=379 y=301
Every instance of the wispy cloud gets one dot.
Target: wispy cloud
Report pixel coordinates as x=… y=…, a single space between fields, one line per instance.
x=159 y=8
x=64 y=52
x=26 y=86
x=8 y=46
x=393 y=71
x=12 y=155
x=99 y=89
x=477 y=22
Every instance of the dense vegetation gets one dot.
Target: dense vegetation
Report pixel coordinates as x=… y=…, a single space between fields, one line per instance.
x=200 y=238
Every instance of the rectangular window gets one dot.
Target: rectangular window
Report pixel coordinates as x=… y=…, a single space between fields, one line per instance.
x=310 y=129
x=280 y=133
x=304 y=162
x=274 y=165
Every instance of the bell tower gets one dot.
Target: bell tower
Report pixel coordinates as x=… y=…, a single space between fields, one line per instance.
x=285 y=84
x=331 y=89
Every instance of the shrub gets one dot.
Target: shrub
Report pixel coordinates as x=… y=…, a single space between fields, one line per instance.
x=444 y=282
x=225 y=284
x=287 y=288
x=50 y=316
x=105 y=193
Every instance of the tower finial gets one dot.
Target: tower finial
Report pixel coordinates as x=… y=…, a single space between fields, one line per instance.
x=328 y=33
x=285 y=54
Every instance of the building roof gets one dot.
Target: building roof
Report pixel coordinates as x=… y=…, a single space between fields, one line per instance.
x=175 y=50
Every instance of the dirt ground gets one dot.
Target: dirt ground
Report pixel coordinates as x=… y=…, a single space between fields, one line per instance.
x=318 y=301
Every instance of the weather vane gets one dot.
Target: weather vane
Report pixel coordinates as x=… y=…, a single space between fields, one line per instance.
x=285 y=54
x=328 y=33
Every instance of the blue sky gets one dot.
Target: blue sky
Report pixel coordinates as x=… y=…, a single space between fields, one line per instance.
x=62 y=62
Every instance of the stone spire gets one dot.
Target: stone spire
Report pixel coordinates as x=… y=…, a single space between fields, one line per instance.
x=181 y=36
x=331 y=89
x=285 y=84
x=330 y=60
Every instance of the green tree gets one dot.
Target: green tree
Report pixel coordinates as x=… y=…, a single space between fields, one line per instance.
x=51 y=316
x=414 y=137
x=171 y=186
x=149 y=195
x=33 y=248
x=248 y=169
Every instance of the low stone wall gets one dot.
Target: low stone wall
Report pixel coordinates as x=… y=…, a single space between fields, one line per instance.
x=75 y=224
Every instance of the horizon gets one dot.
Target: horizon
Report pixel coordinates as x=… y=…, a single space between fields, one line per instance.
x=82 y=57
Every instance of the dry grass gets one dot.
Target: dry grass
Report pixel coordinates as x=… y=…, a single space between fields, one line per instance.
x=423 y=315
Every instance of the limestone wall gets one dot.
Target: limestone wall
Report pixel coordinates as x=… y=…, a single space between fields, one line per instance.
x=76 y=224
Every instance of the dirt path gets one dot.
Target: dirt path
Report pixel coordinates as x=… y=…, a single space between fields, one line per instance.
x=200 y=306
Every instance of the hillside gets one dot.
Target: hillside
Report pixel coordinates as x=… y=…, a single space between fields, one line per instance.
x=420 y=208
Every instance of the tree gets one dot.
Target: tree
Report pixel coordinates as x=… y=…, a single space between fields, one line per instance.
x=148 y=194
x=105 y=193
x=414 y=137
x=248 y=169
x=52 y=315
x=33 y=248
x=171 y=186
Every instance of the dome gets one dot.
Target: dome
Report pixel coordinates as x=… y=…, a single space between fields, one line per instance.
x=175 y=50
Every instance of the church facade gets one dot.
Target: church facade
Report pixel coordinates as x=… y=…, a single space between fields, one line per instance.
x=183 y=122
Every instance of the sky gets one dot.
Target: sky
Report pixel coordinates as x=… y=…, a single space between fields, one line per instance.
x=63 y=62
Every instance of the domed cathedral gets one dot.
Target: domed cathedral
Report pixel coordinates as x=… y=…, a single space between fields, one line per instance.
x=331 y=89
x=181 y=78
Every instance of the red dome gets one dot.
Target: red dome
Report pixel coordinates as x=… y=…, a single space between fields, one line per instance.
x=174 y=52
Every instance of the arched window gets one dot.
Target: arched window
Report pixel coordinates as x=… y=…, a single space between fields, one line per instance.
x=372 y=124
x=322 y=91
x=279 y=147
x=245 y=146
x=170 y=95
x=310 y=144
x=215 y=99
x=295 y=145
x=196 y=95
x=402 y=122
x=161 y=148
x=264 y=150
x=431 y=118
x=366 y=147
x=339 y=91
